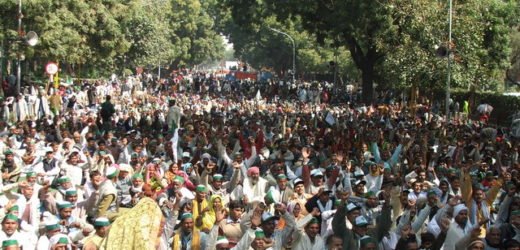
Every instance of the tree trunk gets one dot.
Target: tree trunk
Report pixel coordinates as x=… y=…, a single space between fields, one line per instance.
x=367 y=76
x=365 y=61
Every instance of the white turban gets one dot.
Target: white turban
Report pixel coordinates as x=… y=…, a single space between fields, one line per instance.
x=457 y=209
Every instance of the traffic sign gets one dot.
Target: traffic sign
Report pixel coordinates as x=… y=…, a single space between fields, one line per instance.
x=51 y=68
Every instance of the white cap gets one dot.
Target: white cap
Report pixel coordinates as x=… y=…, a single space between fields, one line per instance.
x=352 y=206
x=111 y=171
x=56 y=238
x=361 y=221
x=222 y=240
x=267 y=216
x=50 y=222
x=316 y=172
x=206 y=156
x=101 y=221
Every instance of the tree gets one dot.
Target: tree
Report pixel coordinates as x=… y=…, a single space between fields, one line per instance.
x=147 y=28
x=395 y=38
x=513 y=74
x=194 y=32
x=262 y=48
x=110 y=34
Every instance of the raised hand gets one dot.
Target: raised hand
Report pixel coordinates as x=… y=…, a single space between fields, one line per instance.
x=483 y=221
x=306 y=152
x=475 y=233
x=340 y=156
x=280 y=208
x=315 y=212
x=23 y=184
x=220 y=214
x=445 y=224
x=349 y=166
x=454 y=201
x=411 y=203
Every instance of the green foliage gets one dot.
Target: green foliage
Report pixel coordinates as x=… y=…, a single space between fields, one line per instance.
x=248 y=28
x=112 y=34
x=513 y=74
x=504 y=107
x=481 y=31
x=392 y=42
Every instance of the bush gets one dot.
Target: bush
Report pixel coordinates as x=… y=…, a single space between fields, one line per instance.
x=504 y=107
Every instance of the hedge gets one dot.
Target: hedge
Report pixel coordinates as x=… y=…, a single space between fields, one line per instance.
x=504 y=107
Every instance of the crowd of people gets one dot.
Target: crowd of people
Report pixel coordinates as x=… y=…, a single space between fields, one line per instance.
x=201 y=163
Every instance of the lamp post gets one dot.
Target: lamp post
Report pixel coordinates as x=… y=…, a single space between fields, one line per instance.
x=20 y=34
x=294 y=51
x=448 y=82
x=31 y=38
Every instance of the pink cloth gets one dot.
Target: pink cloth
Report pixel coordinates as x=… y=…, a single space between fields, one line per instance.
x=187 y=182
x=253 y=170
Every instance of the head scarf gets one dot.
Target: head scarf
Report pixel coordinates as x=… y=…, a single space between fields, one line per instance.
x=209 y=218
x=459 y=208
x=253 y=170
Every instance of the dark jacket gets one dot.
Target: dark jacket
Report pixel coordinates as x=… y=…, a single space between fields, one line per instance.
x=350 y=239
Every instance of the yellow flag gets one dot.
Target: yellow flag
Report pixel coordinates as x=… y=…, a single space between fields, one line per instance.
x=57 y=77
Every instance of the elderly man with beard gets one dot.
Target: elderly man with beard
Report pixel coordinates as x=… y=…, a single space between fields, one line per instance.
x=283 y=189
x=254 y=186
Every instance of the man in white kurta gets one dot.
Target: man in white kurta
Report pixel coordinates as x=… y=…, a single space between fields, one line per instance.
x=10 y=232
x=254 y=187
x=306 y=236
x=458 y=228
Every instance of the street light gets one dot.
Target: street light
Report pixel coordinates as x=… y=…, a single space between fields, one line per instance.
x=294 y=51
x=31 y=39
x=448 y=82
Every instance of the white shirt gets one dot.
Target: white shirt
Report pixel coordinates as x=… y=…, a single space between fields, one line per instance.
x=255 y=192
x=455 y=233
x=302 y=241
x=26 y=241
